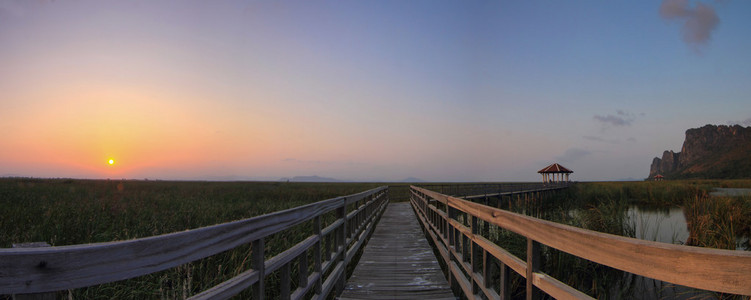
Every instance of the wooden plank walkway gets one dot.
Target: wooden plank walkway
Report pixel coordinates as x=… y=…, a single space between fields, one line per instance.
x=398 y=262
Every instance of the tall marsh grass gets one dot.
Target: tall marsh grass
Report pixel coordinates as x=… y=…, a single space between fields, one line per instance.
x=717 y=222
x=67 y=212
x=602 y=206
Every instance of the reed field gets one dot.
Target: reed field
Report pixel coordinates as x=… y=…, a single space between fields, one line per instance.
x=712 y=221
x=70 y=211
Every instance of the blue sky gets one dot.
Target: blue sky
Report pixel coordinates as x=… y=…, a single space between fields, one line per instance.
x=439 y=90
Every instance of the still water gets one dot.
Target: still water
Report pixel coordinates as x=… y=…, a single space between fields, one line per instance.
x=665 y=225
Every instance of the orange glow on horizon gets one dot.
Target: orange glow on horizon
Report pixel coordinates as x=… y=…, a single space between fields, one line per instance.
x=73 y=131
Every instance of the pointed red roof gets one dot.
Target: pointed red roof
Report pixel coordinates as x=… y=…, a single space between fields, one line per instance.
x=555 y=168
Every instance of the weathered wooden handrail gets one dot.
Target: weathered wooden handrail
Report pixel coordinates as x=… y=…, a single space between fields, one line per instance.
x=477 y=190
x=461 y=247
x=35 y=270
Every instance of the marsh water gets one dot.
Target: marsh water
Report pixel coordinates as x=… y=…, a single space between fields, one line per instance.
x=652 y=223
x=666 y=225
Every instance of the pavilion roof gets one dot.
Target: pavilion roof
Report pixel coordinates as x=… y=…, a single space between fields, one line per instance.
x=555 y=168
x=659 y=176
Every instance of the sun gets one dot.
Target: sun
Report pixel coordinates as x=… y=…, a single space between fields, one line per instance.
x=111 y=162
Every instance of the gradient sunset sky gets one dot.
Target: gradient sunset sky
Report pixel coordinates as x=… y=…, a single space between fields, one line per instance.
x=364 y=90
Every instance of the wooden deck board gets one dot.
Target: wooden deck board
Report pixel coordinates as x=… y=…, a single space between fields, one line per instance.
x=398 y=262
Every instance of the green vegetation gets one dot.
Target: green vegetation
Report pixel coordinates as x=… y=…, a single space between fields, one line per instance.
x=713 y=221
x=66 y=212
x=717 y=222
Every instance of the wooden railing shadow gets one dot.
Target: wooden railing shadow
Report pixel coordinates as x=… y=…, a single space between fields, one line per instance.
x=38 y=270
x=469 y=255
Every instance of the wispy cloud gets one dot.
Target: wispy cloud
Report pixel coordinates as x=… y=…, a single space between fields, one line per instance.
x=698 y=22
x=573 y=154
x=621 y=118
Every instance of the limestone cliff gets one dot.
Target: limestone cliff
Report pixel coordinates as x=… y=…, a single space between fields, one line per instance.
x=708 y=152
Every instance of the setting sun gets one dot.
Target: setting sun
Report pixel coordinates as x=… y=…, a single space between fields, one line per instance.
x=111 y=162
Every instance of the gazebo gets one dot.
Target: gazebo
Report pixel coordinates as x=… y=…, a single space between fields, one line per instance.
x=659 y=177
x=554 y=173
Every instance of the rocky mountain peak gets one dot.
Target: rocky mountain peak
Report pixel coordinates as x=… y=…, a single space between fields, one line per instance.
x=710 y=151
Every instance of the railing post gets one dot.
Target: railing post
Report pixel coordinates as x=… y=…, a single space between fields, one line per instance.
x=451 y=235
x=473 y=252
x=35 y=296
x=284 y=284
x=257 y=262
x=466 y=249
x=342 y=213
x=317 y=255
x=533 y=265
x=450 y=231
x=504 y=290
x=327 y=249
x=486 y=264
x=303 y=270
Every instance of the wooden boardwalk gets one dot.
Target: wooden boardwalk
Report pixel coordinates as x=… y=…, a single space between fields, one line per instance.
x=398 y=262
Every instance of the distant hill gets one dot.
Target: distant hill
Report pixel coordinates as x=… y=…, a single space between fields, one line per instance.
x=712 y=152
x=412 y=179
x=313 y=178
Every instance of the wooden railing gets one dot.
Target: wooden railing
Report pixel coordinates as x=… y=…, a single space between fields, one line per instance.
x=476 y=190
x=464 y=249
x=36 y=270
